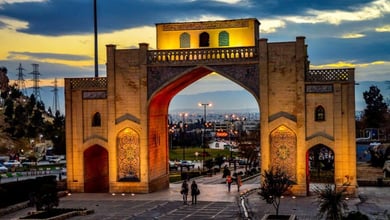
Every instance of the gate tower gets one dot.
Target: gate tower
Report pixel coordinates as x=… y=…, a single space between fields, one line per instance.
x=116 y=126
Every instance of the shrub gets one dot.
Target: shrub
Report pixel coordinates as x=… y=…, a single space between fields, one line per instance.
x=275 y=184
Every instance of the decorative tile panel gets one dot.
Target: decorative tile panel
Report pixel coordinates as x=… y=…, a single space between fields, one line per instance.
x=284 y=150
x=128 y=153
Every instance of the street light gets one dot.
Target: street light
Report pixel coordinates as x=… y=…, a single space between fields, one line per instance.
x=183 y=130
x=205 y=105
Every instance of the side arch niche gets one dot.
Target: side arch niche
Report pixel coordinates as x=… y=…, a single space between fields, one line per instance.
x=128 y=159
x=283 y=144
x=96 y=170
x=320 y=165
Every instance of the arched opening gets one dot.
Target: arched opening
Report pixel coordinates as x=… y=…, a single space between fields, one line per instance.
x=185 y=40
x=320 y=165
x=96 y=120
x=95 y=170
x=223 y=39
x=159 y=144
x=319 y=113
x=204 y=39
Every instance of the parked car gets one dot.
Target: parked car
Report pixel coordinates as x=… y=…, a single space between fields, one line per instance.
x=12 y=163
x=187 y=163
x=172 y=165
x=3 y=169
x=55 y=159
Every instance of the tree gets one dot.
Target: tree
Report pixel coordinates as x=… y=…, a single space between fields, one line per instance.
x=376 y=109
x=275 y=184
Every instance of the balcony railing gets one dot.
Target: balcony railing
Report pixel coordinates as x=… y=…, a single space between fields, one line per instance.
x=201 y=56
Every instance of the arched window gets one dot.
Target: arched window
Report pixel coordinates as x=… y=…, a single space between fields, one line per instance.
x=184 y=40
x=96 y=120
x=223 y=39
x=204 y=39
x=320 y=113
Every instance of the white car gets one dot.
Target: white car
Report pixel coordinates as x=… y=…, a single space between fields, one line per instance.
x=55 y=159
x=3 y=169
x=12 y=163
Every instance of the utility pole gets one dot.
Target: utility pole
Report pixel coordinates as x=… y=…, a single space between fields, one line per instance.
x=21 y=84
x=56 y=104
x=204 y=130
x=35 y=80
x=95 y=37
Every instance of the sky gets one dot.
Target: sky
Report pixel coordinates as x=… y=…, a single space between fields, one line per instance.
x=58 y=34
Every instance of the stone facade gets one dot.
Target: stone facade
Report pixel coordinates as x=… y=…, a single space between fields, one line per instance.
x=123 y=117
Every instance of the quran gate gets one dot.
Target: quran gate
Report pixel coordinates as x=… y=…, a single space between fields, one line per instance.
x=117 y=133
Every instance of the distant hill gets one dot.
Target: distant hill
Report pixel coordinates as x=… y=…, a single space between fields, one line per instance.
x=223 y=101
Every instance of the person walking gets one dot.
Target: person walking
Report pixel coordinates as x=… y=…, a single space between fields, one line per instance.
x=239 y=183
x=194 y=192
x=229 y=181
x=184 y=191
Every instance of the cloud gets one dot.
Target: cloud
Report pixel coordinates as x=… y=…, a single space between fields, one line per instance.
x=229 y=1
x=12 y=24
x=385 y=28
x=3 y=2
x=352 y=35
x=46 y=56
x=271 y=25
x=370 y=11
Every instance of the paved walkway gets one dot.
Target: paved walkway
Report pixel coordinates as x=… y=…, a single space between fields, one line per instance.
x=214 y=202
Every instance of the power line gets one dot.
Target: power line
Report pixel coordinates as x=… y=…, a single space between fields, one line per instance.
x=21 y=84
x=36 y=88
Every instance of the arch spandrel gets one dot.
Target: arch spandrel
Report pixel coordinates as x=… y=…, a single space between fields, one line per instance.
x=246 y=76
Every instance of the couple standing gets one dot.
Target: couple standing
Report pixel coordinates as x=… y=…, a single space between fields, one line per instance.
x=194 y=191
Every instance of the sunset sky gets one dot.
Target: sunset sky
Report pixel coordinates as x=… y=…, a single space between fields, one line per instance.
x=58 y=34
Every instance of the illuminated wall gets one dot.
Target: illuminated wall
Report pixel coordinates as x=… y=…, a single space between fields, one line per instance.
x=231 y=33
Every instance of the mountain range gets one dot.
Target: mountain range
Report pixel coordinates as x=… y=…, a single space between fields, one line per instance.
x=222 y=101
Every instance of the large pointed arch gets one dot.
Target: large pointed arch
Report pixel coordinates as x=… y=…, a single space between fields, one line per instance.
x=158 y=114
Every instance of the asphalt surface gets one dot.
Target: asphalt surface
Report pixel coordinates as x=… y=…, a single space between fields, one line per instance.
x=214 y=202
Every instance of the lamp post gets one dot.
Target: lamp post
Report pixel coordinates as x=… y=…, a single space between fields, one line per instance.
x=205 y=105
x=183 y=130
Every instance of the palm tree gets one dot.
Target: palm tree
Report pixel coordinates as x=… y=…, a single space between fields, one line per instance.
x=332 y=203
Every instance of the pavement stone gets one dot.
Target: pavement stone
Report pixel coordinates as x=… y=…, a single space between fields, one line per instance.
x=214 y=202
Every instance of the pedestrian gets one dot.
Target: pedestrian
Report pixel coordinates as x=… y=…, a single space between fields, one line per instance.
x=226 y=172
x=229 y=181
x=239 y=182
x=184 y=191
x=194 y=192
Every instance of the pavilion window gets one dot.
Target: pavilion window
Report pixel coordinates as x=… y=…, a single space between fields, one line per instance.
x=223 y=39
x=96 y=120
x=320 y=113
x=185 y=40
x=204 y=39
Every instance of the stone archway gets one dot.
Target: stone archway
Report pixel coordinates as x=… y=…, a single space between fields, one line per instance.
x=141 y=82
x=96 y=170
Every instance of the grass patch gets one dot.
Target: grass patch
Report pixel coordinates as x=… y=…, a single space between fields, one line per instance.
x=177 y=153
